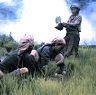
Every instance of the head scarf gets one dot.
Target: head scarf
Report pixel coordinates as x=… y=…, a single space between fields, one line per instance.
x=25 y=42
x=58 y=41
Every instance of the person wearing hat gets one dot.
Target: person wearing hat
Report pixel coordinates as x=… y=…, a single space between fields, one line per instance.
x=73 y=27
x=50 y=52
x=19 y=61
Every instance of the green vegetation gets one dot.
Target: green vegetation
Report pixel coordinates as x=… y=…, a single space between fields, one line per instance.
x=7 y=44
x=82 y=81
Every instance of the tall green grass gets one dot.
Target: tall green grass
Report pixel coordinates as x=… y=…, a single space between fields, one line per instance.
x=82 y=80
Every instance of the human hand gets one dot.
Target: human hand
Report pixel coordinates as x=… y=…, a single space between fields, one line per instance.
x=64 y=24
x=59 y=26
x=24 y=70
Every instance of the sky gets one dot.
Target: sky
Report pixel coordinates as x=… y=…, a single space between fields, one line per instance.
x=37 y=18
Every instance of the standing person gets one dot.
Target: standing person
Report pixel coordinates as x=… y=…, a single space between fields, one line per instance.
x=50 y=52
x=19 y=61
x=73 y=27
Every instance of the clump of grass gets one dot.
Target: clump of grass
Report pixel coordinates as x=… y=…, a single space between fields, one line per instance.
x=81 y=82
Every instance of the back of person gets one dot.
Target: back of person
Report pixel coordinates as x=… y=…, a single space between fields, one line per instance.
x=9 y=63
x=45 y=54
x=46 y=50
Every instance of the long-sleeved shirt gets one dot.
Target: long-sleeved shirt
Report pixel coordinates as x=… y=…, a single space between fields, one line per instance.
x=46 y=54
x=13 y=62
x=74 y=24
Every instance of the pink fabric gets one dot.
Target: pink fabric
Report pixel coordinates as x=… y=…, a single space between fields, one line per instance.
x=27 y=39
x=35 y=54
x=25 y=42
x=58 y=41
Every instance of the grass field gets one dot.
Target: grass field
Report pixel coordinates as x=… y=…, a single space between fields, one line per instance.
x=82 y=80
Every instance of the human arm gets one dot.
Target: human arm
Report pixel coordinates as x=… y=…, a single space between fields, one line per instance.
x=77 y=21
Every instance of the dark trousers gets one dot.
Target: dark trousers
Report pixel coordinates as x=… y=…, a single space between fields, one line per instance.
x=72 y=44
